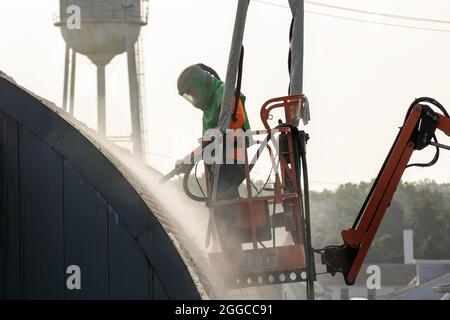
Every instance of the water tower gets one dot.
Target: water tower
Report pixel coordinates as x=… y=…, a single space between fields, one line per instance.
x=101 y=30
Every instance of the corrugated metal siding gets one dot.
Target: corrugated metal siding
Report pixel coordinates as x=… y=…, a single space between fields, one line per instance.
x=63 y=203
x=61 y=220
x=41 y=218
x=9 y=202
x=86 y=235
x=158 y=292
x=128 y=266
x=156 y=250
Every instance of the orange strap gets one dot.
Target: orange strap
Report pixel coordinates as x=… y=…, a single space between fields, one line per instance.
x=240 y=115
x=239 y=153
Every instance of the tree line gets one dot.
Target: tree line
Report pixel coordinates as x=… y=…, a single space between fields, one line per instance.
x=423 y=207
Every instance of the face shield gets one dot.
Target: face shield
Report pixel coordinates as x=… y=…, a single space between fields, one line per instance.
x=194 y=84
x=189 y=98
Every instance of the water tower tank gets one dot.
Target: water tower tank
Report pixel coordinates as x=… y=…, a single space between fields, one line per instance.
x=101 y=30
x=108 y=27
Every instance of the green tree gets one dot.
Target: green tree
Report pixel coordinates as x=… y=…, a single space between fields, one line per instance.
x=387 y=245
x=430 y=221
x=423 y=206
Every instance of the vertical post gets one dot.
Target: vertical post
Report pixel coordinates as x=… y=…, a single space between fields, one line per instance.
x=233 y=64
x=251 y=217
x=135 y=107
x=72 y=81
x=297 y=46
x=345 y=294
x=371 y=294
x=296 y=53
x=101 y=100
x=66 y=77
x=408 y=246
x=229 y=87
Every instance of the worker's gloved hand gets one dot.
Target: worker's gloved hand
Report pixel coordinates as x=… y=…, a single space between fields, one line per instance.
x=305 y=114
x=181 y=166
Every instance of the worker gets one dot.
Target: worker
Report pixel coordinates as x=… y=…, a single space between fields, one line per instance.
x=202 y=87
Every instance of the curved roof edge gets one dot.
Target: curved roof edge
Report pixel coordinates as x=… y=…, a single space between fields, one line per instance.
x=97 y=160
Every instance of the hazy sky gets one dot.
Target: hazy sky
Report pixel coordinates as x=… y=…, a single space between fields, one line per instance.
x=360 y=77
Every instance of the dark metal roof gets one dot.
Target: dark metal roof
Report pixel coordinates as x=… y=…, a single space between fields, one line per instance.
x=423 y=291
x=392 y=274
x=84 y=157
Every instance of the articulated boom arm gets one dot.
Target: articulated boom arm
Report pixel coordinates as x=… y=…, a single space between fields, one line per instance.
x=417 y=133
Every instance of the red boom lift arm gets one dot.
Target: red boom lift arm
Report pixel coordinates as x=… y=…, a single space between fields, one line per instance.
x=417 y=133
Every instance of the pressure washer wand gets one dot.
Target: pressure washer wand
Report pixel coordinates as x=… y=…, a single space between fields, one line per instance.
x=168 y=176
x=179 y=169
x=183 y=165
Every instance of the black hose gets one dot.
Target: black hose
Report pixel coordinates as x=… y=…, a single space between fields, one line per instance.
x=432 y=162
x=186 y=189
x=265 y=184
x=237 y=93
x=311 y=271
x=375 y=183
x=430 y=101
x=209 y=70
x=198 y=182
x=444 y=111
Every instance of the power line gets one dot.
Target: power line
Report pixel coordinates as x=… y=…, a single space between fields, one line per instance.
x=325 y=182
x=271 y=4
x=161 y=155
x=363 y=20
x=377 y=13
x=376 y=22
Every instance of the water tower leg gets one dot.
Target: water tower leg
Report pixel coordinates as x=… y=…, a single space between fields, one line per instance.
x=135 y=107
x=72 y=81
x=101 y=102
x=66 y=77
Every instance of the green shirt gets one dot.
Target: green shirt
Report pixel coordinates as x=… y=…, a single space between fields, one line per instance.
x=211 y=112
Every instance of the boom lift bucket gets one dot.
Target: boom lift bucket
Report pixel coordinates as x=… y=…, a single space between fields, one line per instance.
x=270 y=261
x=259 y=216
x=417 y=133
